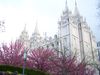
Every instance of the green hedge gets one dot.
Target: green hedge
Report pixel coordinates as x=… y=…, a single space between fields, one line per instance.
x=19 y=70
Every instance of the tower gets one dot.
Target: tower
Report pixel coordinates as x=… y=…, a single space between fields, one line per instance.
x=24 y=37
x=35 y=40
x=76 y=11
x=75 y=35
x=64 y=30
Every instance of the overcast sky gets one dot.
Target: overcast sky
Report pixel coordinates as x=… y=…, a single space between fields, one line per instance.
x=17 y=13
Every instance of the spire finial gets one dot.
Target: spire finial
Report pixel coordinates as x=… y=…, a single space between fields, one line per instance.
x=75 y=3
x=45 y=34
x=66 y=2
x=66 y=5
x=36 y=28
x=76 y=9
x=25 y=27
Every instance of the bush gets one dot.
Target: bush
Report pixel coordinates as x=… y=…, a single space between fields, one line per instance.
x=19 y=70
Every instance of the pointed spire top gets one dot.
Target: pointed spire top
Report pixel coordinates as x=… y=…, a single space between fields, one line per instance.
x=76 y=9
x=66 y=5
x=25 y=27
x=24 y=35
x=36 y=31
x=75 y=3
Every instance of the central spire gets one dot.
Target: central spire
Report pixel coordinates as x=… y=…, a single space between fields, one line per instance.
x=36 y=31
x=66 y=5
x=25 y=27
x=76 y=12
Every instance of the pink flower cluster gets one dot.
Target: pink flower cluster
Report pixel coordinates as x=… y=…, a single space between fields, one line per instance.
x=42 y=59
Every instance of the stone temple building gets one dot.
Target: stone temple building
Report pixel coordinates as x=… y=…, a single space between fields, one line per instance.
x=36 y=41
x=74 y=36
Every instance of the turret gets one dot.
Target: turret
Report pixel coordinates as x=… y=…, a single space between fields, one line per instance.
x=36 y=31
x=35 y=38
x=76 y=11
x=66 y=6
x=24 y=37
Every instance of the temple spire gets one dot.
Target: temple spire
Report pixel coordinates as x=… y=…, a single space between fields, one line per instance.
x=76 y=11
x=36 y=31
x=25 y=27
x=24 y=37
x=66 y=6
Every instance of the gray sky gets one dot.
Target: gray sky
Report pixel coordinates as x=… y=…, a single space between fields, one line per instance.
x=17 y=13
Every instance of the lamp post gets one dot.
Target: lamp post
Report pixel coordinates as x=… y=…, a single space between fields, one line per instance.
x=25 y=58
